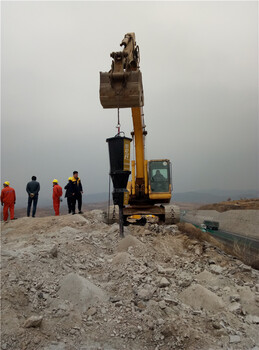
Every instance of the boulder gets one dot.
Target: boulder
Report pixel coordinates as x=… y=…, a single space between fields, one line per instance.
x=33 y=321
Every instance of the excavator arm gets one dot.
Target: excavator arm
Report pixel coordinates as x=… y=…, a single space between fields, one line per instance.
x=122 y=87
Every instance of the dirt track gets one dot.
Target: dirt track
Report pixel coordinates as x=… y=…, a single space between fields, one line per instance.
x=154 y=289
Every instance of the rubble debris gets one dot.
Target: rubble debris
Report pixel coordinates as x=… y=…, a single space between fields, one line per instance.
x=153 y=289
x=33 y=321
x=54 y=251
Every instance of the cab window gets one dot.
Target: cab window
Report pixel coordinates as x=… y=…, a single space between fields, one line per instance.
x=159 y=175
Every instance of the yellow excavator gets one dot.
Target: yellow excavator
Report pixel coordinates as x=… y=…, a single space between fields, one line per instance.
x=151 y=181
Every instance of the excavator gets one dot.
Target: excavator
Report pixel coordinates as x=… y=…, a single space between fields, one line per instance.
x=151 y=180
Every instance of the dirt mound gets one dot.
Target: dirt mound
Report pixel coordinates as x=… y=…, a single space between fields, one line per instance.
x=211 y=280
x=128 y=241
x=121 y=259
x=80 y=292
x=158 y=288
x=199 y=297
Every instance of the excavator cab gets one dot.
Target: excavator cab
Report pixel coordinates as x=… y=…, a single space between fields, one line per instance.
x=160 y=180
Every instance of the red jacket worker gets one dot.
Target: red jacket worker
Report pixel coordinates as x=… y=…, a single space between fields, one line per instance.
x=57 y=193
x=8 y=199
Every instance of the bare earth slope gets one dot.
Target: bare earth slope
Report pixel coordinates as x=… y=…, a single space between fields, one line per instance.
x=154 y=289
x=243 y=222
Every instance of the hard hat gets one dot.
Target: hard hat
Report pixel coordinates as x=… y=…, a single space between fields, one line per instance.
x=55 y=181
x=7 y=183
x=70 y=178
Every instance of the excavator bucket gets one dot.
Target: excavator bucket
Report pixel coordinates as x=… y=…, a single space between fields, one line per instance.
x=121 y=89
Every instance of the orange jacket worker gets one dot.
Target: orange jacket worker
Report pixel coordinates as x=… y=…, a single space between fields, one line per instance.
x=57 y=193
x=8 y=199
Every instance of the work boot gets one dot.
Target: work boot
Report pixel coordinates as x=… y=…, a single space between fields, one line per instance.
x=80 y=212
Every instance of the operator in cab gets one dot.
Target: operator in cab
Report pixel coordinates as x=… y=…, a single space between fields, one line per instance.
x=158 y=176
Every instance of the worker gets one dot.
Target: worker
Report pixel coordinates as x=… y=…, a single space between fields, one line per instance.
x=78 y=190
x=8 y=199
x=70 y=195
x=57 y=193
x=159 y=183
x=33 y=189
x=158 y=176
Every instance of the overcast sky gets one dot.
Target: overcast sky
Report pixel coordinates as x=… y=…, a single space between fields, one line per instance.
x=199 y=62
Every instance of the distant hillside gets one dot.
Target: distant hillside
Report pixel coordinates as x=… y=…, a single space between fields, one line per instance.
x=45 y=202
x=209 y=196
x=244 y=204
x=201 y=197
x=213 y=196
x=195 y=197
x=96 y=197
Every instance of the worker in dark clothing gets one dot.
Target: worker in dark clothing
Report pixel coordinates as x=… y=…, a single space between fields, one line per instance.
x=78 y=190
x=70 y=194
x=32 y=188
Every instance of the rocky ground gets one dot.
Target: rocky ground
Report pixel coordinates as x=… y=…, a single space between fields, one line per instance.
x=70 y=282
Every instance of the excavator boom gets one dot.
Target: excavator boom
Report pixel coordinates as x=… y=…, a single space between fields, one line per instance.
x=122 y=87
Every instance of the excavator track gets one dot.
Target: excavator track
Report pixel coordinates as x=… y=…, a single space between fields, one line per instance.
x=171 y=215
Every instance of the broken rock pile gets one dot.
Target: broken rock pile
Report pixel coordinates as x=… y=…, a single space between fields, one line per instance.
x=70 y=282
